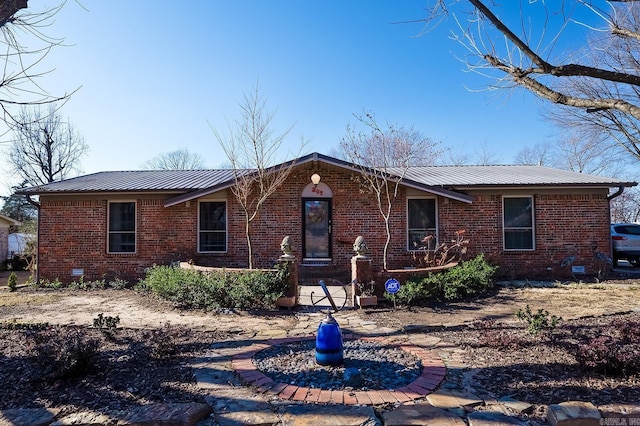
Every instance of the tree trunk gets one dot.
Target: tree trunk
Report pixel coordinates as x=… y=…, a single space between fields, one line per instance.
x=386 y=243
x=247 y=231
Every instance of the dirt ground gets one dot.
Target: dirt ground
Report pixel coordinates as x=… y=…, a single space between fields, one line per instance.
x=136 y=310
x=529 y=369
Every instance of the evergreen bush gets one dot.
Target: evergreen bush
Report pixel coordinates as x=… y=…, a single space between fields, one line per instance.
x=249 y=289
x=12 y=281
x=474 y=276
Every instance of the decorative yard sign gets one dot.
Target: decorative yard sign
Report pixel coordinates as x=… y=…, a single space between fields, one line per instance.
x=392 y=285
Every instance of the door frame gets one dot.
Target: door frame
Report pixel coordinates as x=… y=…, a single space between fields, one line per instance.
x=329 y=228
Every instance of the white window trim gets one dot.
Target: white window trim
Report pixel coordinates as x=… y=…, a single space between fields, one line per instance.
x=406 y=231
x=533 y=223
x=135 y=226
x=226 y=222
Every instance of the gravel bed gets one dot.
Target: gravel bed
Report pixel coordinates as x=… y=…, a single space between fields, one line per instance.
x=381 y=367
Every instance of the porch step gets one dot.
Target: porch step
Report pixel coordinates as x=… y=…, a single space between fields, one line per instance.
x=311 y=295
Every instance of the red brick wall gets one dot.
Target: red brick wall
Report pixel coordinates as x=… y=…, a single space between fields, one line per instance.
x=73 y=231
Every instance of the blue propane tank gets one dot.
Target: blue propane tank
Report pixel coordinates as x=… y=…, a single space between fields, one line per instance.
x=329 y=349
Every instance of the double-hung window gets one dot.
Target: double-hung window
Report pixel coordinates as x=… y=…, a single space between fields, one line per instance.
x=212 y=227
x=518 y=223
x=421 y=223
x=122 y=227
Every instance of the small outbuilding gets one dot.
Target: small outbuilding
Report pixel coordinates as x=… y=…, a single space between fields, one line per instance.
x=5 y=224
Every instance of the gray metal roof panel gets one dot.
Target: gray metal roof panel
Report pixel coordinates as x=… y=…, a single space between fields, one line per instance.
x=513 y=175
x=431 y=176
x=141 y=180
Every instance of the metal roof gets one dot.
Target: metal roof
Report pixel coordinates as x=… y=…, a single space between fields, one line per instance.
x=505 y=176
x=441 y=180
x=140 y=180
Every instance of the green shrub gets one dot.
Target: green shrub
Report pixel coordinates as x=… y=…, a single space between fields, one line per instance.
x=55 y=284
x=468 y=278
x=250 y=289
x=107 y=325
x=118 y=284
x=12 y=281
x=81 y=284
x=539 y=322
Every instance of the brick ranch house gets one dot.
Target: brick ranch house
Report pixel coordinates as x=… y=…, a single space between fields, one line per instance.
x=525 y=219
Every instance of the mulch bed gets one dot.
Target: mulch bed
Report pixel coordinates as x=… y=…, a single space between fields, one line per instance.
x=134 y=367
x=508 y=361
x=129 y=367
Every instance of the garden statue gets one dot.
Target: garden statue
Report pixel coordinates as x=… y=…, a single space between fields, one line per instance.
x=360 y=247
x=285 y=246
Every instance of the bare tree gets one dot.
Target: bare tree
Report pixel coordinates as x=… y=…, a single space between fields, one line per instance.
x=626 y=207
x=485 y=155
x=45 y=148
x=454 y=157
x=383 y=156
x=588 y=156
x=180 y=159
x=23 y=48
x=574 y=152
x=540 y=154
x=523 y=44
x=252 y=149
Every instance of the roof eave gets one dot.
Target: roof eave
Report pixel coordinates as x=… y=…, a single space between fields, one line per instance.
x=447 y=193
x=315 y=157
x=189 y=196
x=546 y=186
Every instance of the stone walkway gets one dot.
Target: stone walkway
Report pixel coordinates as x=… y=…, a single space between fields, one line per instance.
x=241 y=395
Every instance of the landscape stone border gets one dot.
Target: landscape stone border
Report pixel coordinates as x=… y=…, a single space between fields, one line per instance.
x=433 y=372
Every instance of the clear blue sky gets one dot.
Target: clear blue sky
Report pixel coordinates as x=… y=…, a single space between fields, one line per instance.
x=153 y=74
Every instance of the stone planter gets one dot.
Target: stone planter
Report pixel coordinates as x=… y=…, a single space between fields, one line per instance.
x=366 y=301
x=286 y=302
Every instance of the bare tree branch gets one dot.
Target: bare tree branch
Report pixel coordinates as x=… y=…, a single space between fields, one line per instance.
x=19 y=81
x=252 y=149
x=383 y=156
x=45 y=148
x=597 y=77
x=180 y=159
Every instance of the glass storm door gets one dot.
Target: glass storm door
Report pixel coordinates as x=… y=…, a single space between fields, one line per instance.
x=317 y=228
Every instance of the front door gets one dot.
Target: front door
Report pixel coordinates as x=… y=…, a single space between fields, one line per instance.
x=317 y=228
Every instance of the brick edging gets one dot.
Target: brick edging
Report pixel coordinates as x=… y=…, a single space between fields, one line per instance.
x=433 y=372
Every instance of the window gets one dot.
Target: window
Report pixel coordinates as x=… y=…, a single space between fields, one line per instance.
x=518 y=223
x=421 y=223
x=212 y=227
x=122 y=227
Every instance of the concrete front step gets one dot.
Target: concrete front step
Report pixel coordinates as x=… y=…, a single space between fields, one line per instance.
x=313 y=295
